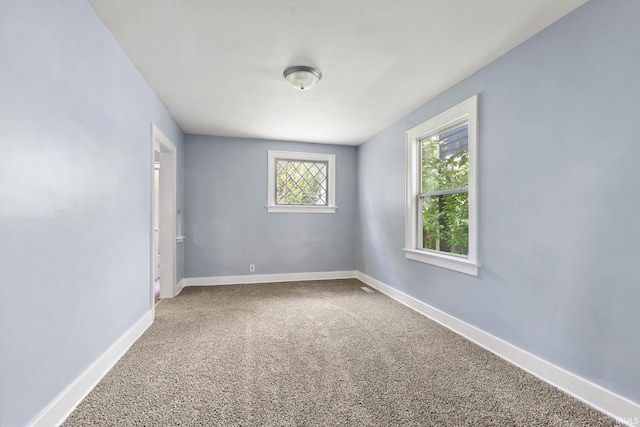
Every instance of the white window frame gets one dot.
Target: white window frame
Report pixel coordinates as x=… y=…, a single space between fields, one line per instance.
x=465 y=264
x=330 y=159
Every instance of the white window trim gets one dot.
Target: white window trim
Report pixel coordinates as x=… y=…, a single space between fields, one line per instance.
x=468 y=265
x=273 y=207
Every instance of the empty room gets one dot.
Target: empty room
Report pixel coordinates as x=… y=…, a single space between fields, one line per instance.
x=334 y=213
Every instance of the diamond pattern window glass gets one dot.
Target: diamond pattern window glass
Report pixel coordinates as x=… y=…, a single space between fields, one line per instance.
x=301 y=183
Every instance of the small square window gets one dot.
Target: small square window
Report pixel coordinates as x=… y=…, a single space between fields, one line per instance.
x=301 y=182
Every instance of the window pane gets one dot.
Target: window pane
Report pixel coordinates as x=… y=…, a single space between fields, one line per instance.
x=445 y=160
x=445 y=223
x=301 y=183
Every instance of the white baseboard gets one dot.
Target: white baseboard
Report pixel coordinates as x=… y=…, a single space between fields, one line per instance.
x=266 y=278
x=180 y=286
x=66 y=402
x=592 y=394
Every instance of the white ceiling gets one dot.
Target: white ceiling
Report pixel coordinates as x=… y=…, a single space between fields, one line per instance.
x=217 y=64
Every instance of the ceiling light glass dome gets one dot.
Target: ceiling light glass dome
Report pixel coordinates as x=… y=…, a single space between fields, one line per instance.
x=302 y=77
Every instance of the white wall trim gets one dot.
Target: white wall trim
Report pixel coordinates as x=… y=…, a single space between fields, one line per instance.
x=463 y=265
x=592 y=394
x=267 y=278
x=180 y=286
x=66 y=402
x=168 y=211
x=301 y=209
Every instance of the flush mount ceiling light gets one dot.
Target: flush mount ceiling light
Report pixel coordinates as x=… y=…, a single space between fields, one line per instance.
x=302 y=77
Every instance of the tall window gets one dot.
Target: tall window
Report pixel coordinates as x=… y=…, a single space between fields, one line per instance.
x=444 y=192
x=441 y=217
x=301 y=182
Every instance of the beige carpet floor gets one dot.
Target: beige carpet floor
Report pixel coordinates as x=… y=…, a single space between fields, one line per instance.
x=322 y=353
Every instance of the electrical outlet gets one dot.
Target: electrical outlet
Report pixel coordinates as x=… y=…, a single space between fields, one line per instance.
x=252 y=268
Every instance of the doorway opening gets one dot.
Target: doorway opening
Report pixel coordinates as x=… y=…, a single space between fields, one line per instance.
x=163 y=217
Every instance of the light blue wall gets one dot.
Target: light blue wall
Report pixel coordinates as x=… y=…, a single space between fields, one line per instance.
x=227 y=224
x=559 y=146
x=75 y=179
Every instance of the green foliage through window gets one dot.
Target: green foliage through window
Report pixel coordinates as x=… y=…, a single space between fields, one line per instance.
x=444 y=191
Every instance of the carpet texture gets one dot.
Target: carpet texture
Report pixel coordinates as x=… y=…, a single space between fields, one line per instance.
x=319 y=353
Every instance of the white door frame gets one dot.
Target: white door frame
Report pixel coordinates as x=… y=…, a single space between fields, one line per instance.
x=167 y=191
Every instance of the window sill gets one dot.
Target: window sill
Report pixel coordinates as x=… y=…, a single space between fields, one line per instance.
x=451 y=262
x=301 y=209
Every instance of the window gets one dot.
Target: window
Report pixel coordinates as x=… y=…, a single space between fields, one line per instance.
x=301 y=182
x=441 y=217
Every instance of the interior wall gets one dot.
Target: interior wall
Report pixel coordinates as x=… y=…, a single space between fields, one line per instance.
x=228 y=226
x=75 y=201
x=558 y=207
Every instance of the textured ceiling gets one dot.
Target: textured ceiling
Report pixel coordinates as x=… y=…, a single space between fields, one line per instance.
x=217 y=64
